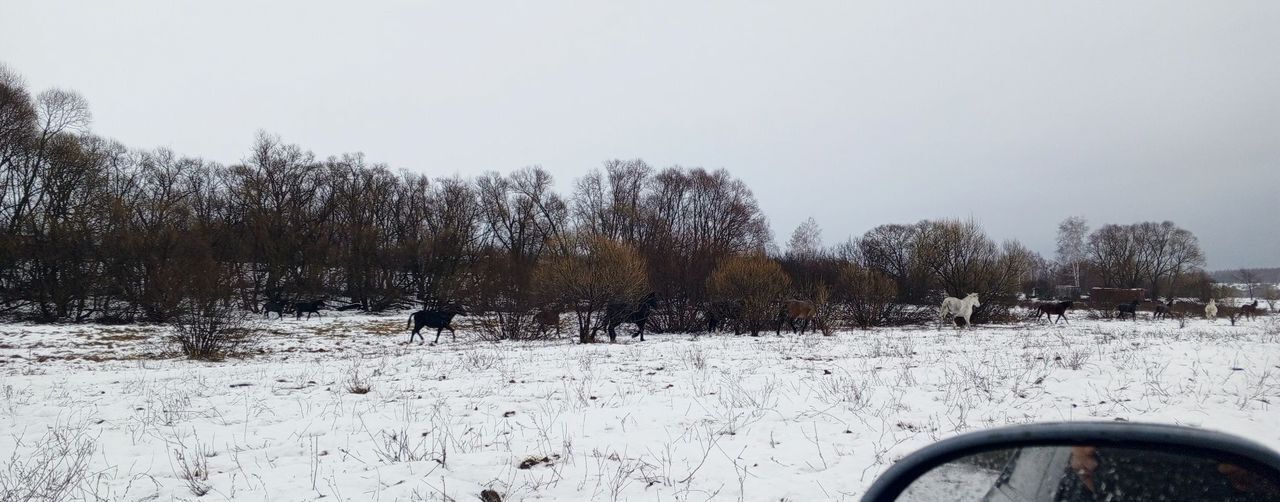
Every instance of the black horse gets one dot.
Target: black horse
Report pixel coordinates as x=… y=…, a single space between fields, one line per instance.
x=312 y=307
x=1051 y=309
x=441 y=320
x=617 y=314
x=720 y=314
x=273 y=306
x=1130 y=308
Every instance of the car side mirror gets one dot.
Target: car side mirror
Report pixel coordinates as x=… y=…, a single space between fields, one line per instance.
x=1115 y=461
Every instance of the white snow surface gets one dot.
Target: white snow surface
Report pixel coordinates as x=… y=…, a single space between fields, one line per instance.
x=677 y=417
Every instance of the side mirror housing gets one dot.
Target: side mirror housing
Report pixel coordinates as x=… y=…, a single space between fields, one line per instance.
x=1084 y=461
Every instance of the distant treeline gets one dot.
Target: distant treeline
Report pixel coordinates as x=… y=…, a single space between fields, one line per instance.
x=91 y=230
x=1242 y=275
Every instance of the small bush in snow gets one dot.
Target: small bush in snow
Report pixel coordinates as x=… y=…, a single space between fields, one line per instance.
x=55 y=469
x=207 y=329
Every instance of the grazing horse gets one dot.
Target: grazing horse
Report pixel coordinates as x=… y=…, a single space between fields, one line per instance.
x=721 y=313
x=796 y=310
x=1051 y=309
x=617 y=314
x=1211 y=310
x=312 y=307
x=1130 y=308
x=273 y=306
x=1249 y=310
x=547 y=317
x=953 y=307
x=439 y=319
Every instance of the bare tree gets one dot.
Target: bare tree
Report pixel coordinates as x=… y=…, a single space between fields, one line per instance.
x=1072 y=246
x=1271 y=293
x=1146 y=254
x=1249 y=278
x=806 y=241
x=609 y=203
x=521 y=216
x=892 y=250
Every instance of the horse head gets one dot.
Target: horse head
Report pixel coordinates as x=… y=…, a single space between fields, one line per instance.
x=974 y=296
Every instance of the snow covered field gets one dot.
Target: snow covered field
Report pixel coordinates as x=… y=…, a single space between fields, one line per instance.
x=677 y=417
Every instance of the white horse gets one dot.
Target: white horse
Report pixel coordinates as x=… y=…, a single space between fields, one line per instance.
x=1211 y=310
x=952 y=307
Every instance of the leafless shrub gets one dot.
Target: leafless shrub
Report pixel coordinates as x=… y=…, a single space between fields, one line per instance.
x=843 y=389
x=193 y=468
x=694 y=357
x=208 y=329
x=588 y=272
x=1258 y=386
x=755 y=282
x=741 y=405
x=906 y=347
x=356 y=383
x=55 y=469
x=1073 y=360
x=510 y=325
x=393 y=446
x=868 y=297
x=480 y=359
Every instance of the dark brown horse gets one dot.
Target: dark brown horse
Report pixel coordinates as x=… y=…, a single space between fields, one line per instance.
x=1051 y=309
x=547 y=317
x=794 y=311
x=724 y=313
x=1130 y=308
x=1162 y=310
x=1249 y=310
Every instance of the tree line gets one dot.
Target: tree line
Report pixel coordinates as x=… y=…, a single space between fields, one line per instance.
x=93 y=230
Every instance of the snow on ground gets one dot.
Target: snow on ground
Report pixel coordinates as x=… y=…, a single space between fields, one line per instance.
x=677 y=417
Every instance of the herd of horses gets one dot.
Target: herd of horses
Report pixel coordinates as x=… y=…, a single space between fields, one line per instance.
x=299 y=308
x=1161 y=310
x=798 y=315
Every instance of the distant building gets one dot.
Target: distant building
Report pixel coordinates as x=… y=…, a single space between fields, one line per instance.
x=1116 y=295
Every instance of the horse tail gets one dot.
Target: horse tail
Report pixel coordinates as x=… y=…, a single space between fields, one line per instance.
x=410 y=325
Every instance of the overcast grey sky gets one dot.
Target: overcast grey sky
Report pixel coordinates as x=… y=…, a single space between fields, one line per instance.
x=1015 y=113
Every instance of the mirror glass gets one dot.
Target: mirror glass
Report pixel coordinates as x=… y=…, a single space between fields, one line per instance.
x=1087 y=473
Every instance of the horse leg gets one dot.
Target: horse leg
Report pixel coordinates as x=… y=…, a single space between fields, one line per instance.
x=453 y=333
x=640 y=333
x=438 y=330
